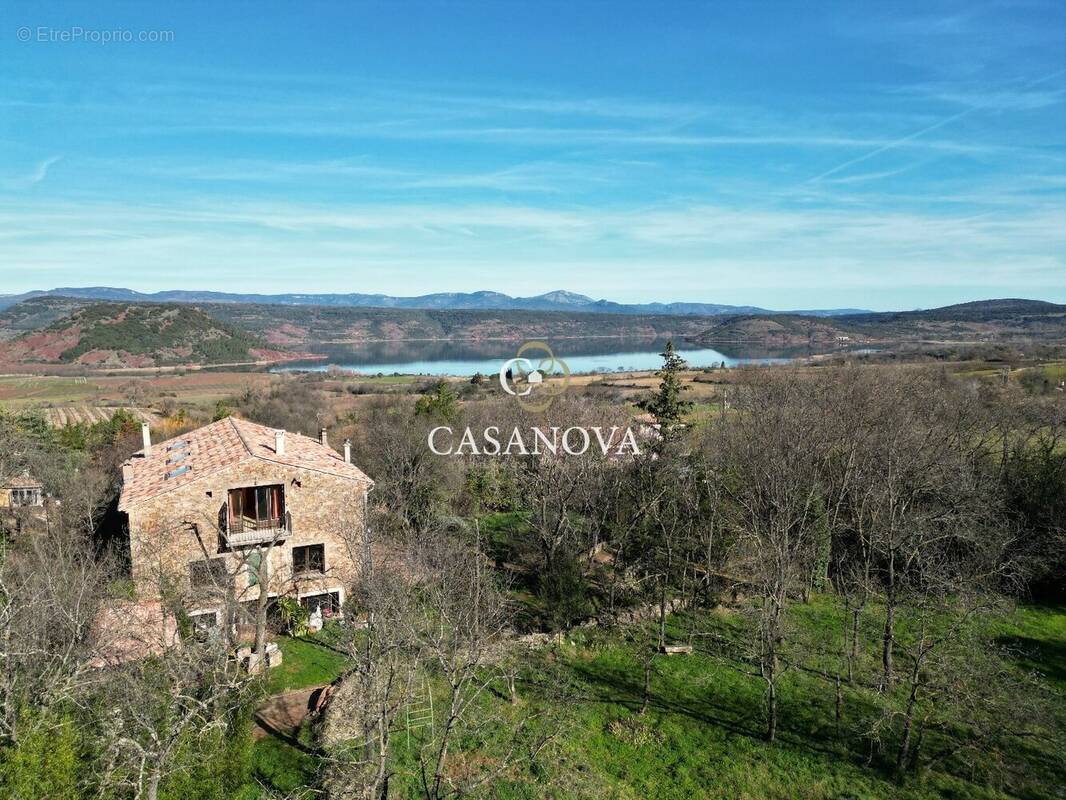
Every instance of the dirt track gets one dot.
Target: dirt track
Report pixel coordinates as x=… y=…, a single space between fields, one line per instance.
x=282 y=714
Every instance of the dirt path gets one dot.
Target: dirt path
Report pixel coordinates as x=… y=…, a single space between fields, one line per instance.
x=282 y=714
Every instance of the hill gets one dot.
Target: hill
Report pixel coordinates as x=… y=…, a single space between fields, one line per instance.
x=559 y=300
x=124 y=335
x=985 y=320
x=48 y=329
x=994 y=309
x=293 y=326
x=36 y=314
x=69 y=330
x=780 y=329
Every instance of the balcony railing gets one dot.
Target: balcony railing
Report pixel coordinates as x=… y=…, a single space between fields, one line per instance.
x=243 y=531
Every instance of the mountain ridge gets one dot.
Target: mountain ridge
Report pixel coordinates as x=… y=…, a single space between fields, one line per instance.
x=557 y=300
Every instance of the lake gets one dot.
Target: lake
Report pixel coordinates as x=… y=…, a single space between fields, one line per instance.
x=581 y=356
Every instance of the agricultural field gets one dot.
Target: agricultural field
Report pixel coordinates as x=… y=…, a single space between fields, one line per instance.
x=64 y=398
x=90 y=415
x=152 y=397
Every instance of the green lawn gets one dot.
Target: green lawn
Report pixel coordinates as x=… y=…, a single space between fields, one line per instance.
x=701 y=737
x=283 y=767
x=1038 y=635
x=702 y=734
x=304 y=663
x=278 y=763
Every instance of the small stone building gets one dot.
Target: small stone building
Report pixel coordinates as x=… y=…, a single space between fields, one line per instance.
x=22 y=505
x=21 y=492
x=216 y=510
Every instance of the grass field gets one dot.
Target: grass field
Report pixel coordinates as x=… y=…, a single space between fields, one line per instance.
x=701 y=735
x=19 y=391
x=304 y=663
x=195 y=390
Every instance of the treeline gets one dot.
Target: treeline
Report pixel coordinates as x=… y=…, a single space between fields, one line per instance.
x=921 y=507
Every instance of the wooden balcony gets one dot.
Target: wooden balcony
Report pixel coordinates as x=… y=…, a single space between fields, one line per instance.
x=244 y=531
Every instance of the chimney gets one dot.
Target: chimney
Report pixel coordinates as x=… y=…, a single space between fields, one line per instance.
x=347 y=451
x=322 y=437
x=279 y=443
x=146 y=439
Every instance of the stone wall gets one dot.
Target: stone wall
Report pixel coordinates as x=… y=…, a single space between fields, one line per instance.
x=178 y=527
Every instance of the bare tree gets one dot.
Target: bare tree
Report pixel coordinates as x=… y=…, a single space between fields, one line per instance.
x=922 y=487
x=365 y=704
x=461 y=623
x=773 y=487
x=51 y=591
x=433 y=651
x=161 y=708
x=552 y=487
x=412 y=482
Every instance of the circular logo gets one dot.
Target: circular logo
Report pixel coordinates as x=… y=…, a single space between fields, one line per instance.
x=524 y=376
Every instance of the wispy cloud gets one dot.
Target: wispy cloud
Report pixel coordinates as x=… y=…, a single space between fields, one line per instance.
x=929 y=164
x=206 y=244
x=866 y=177
x=993 y=99
x=34 y=176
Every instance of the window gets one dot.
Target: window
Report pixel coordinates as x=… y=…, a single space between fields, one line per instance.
x=254 y=508
x=248 y=611
x=329 y=602
x=208 y=573
x=309 y=558
x=25 y=497
x=204 y=625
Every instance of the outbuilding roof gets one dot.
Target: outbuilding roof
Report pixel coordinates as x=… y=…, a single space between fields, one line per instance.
x=179 y=461
x=23 y=481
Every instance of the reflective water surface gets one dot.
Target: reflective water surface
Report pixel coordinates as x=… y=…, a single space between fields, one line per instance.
x=581 y=355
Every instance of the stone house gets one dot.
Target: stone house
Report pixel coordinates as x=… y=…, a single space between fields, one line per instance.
x=211 y=513
x=22 y=504
x=21 y=492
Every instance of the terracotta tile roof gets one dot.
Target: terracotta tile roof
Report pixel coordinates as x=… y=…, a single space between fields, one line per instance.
x=180 y=461
x=23 y=481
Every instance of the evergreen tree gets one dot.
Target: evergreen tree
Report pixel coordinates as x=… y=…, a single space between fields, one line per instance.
x=46 y=761
x=442 y=403
x=667 y=405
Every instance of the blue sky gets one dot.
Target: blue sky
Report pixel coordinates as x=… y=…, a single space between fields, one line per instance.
x=881 y=155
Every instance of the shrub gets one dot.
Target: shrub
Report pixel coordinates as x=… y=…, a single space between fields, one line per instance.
x=563 y=592
x=294 y=615
x=44 y=763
